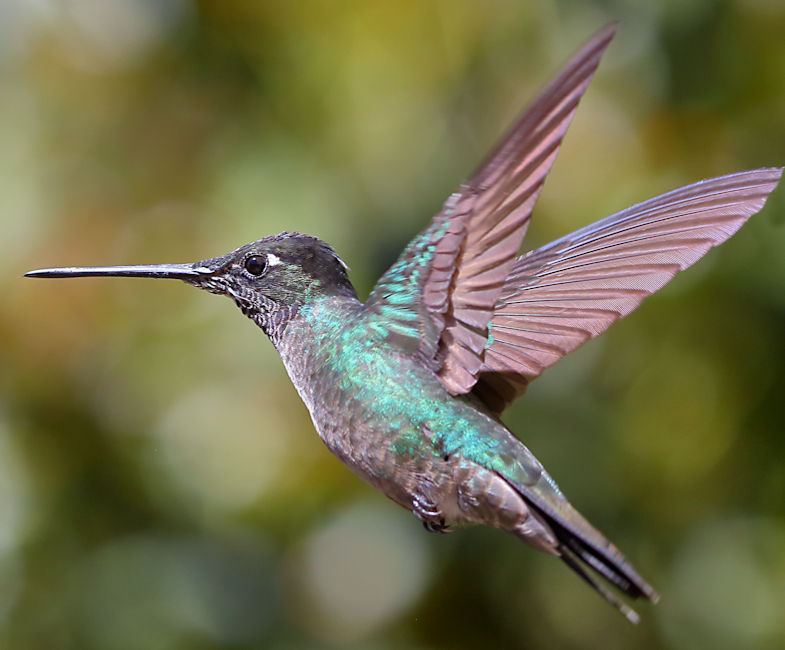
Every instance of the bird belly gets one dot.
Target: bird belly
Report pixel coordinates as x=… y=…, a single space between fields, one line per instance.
x=390 y=421
x=445 y=493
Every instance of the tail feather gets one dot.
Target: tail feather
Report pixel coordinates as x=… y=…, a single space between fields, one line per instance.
x=571 y=561
x=611 y=573
x=582 y=547
x=610 y=564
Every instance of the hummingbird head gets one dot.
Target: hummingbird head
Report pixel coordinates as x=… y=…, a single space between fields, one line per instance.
x=269 y=279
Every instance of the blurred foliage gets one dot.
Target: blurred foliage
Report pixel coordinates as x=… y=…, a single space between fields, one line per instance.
x=160 y=483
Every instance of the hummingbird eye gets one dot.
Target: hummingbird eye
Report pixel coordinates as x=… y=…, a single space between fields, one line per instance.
x=255 y=265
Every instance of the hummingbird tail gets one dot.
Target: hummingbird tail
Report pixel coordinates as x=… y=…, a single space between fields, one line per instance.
x=582 y=547
x=571 y=560
x=578 y=553
x=610 y=565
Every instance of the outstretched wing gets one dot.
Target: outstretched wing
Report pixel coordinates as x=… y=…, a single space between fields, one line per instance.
x=439 y=296
x=557 y=297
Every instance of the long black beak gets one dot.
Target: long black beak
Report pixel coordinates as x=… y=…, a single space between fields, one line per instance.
x=175 y=271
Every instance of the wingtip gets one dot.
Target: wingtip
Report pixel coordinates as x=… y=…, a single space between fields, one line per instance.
x=766 y=178
x=609 y=29
x=603 y=36
x=776 y=172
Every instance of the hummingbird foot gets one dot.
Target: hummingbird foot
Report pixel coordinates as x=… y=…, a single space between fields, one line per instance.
x=429 y=514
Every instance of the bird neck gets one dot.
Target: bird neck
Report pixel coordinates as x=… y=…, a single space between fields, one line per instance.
x=273 y=318
x=310 y=320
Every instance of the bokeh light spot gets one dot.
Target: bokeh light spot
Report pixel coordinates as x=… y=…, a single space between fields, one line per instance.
x=359 y=570
x=147 y=591
x=692 y=422
x=727 y=586
x=221 y=447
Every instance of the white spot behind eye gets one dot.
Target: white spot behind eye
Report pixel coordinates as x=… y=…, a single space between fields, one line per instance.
x=342 y=263
x=273 y=260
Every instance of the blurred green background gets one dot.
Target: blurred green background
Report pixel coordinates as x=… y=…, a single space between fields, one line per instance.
x=161 y=485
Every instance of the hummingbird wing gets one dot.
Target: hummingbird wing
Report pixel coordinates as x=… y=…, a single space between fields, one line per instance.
x=557 y=297
x=439 y=296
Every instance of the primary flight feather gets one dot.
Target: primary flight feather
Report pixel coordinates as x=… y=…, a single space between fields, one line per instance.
x=407 y=389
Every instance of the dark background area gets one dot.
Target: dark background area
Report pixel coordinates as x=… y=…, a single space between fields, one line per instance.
x=161 y=485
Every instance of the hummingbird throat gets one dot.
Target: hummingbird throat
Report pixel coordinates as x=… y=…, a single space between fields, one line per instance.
x=270 y=315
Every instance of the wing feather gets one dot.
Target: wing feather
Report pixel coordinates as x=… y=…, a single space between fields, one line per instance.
x=559 y=296
x=448 y=279
x=506 y=189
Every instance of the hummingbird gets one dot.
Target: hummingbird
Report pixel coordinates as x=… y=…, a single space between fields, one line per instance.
x=408 y=388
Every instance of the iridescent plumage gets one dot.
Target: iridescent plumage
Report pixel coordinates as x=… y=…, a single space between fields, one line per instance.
x=407 y=389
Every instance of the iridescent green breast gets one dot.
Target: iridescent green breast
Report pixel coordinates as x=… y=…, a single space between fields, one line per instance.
x=360 y=379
